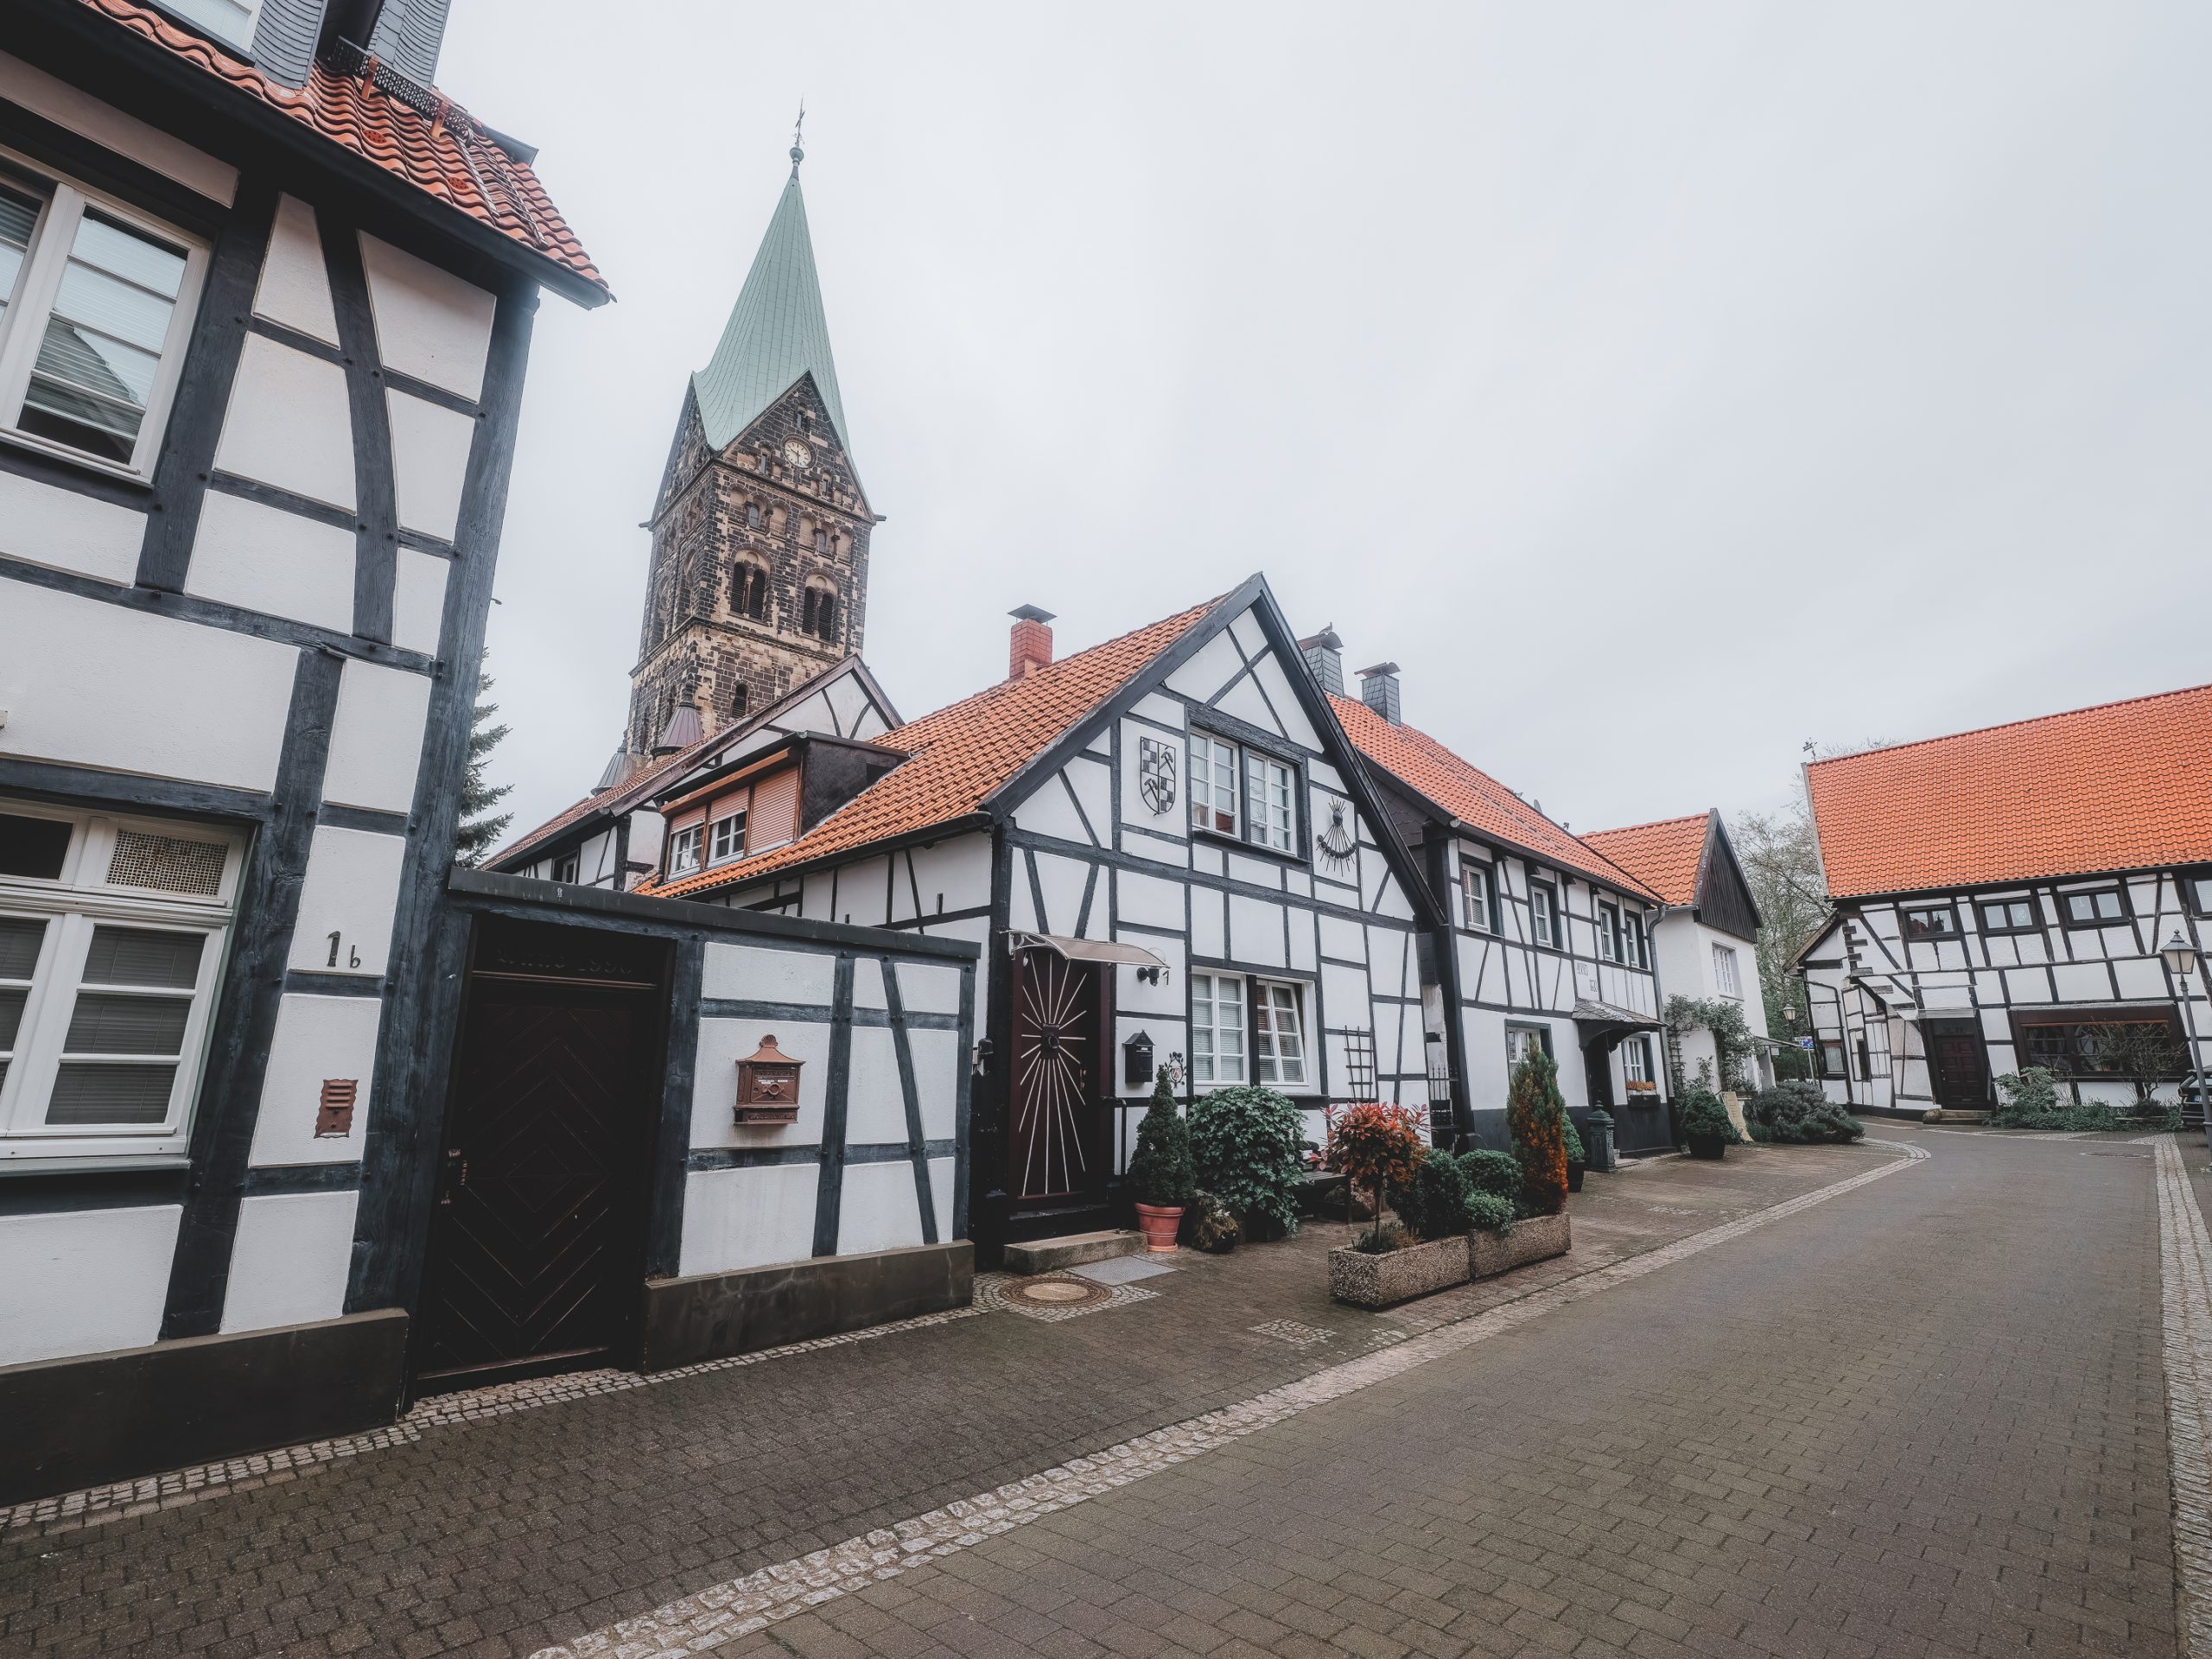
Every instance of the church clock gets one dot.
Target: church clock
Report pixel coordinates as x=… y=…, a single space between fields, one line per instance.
x=798 y=454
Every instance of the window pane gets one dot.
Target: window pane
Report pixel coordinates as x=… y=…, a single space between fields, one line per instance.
x=11 y=1017
x=52 y=411
x=1290 y=1044
x=104 y=1023
x=136 y=956
x=18 y=213
x=130 y=255
x=19 y=943
x=92 y=363
x=110 y=1094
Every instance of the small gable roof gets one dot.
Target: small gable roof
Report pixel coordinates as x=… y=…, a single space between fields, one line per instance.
x=961 y=757
x=1668 y=856
x=2119 y=787
x=1472 y=796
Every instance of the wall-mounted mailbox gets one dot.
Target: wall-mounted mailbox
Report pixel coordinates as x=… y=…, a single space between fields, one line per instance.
x=334 y=1114
x=1136 y=1059
x=768 y=1086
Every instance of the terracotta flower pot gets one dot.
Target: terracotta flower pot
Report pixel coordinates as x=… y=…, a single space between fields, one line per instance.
x=1158 y=1223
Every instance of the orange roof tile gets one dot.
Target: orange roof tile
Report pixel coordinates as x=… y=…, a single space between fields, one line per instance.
x=2121 y=786
x=1472 y=796
x=961 y=755
x=417 y=134
x=1665 y=856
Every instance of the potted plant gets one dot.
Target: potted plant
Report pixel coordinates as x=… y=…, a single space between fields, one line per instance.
x=1705 y=1123
x=1160 y=1169
x=1379 y=1147
x=1572 y=1139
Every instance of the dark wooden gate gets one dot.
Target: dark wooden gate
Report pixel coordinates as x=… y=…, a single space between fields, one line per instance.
x=1958 y=1063
x=538 y=1232
x=1057 y=1145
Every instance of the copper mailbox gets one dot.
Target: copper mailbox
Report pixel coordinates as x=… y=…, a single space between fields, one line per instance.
x=768 y=1086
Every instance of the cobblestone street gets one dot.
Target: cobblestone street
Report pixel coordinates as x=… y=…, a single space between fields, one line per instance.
x=1803 y=1402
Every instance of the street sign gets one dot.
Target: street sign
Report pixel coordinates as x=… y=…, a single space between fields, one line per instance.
x=1804 y=1042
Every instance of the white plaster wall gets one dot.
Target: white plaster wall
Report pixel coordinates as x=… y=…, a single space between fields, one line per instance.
x=290 y=1262
x=737 y=1219
x=927 y=988
x=1063 y=880
x=875 y=1105
x=942 y=1174
x=295 y=288
x=64 y=530
x=351 y=889
x=1256 y=932
x=938 y=1062
x=429 y=323
x=84 y=1281
x=262 y=558
x=1243 y=700
x=1207 y=671
x=1049 y=810
x=177 y=700
x=376 y=738
x=316 y=1037
x=1148 y=901
x=418 y=602
x=110 y=128
x=722 y=1043
x=430 y=463
x=288 y=423
x=751 y=973
x=878 y=1210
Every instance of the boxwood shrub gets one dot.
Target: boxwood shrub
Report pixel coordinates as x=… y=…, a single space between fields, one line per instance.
x=1244 y=1142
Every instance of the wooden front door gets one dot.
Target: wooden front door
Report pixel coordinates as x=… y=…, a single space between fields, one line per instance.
x=1056 y=1147
x=536 y=1234
x=1958 y=1066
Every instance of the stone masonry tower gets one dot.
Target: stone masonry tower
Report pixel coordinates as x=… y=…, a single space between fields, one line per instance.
x=759 y=553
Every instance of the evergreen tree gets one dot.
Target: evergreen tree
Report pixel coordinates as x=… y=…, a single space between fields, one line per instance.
x=481 y=827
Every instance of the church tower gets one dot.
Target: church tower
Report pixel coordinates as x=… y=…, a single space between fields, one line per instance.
x=760 y=533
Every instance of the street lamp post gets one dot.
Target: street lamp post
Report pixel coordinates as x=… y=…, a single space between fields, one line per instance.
x=2181 y=962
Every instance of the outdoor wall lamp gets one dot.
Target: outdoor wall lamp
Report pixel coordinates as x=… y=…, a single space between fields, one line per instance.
x=2181 y=962
x=979 y=1059
x=1153 y=975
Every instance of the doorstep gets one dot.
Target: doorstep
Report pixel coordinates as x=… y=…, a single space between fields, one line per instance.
x=1037 y=1256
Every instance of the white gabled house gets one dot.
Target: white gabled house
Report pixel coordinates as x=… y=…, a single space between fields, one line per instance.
x=2005 y=898
x=1164 y=845
x=1539 y=942
x=1706 y=939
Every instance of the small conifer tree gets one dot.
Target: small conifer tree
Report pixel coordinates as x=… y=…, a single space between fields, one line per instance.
x=1160 y=1172
x=480 y=827
x=1534 y=1114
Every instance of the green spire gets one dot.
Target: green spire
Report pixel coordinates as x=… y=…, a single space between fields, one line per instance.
x=776 y=332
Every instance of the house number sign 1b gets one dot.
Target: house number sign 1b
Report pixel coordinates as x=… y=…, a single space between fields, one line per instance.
x=1156 y=775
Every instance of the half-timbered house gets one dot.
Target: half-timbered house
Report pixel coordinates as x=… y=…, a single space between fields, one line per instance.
x=1540 y=942
x=1706 y=942
x=1164 y=847
x=2002 y=898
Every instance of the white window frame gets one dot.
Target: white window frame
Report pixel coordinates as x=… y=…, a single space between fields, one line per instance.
x=209 y=16
x=1526 y=1037
x=1256 y=817
x=1475 y=890
x=1205 y=753
x=1269 y=823
x=1548 y=913
x=23 y=324
x=1635 y=1060
x=685 y=848
x=1210 y=1063
x=1606 y=915
x=1726 y=979
x=1268 y=999
x=724 y=844
x=568 y=868
x=1635 y=940
x=72 y=904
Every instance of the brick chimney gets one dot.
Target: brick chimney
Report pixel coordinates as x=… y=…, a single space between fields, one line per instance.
x=1030 y=646
x=1378 y=690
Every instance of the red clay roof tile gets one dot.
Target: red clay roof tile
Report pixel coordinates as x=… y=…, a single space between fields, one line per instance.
x=439 y=148
x=1472 y=796
x=961 y=755
x=1665 y=856
x=2121 y=786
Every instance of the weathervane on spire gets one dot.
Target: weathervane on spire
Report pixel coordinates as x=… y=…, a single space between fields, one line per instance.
x=797 y=126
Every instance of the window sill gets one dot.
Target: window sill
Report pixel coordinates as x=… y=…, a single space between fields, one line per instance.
x=108 y=471
x=84 y=1163
x=1236 y=844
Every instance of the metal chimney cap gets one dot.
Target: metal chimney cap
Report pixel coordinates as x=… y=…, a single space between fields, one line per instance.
x=1031 y=613
x=1379 y=668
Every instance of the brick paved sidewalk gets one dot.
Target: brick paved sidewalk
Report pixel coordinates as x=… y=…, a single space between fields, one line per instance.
x=504 y=1535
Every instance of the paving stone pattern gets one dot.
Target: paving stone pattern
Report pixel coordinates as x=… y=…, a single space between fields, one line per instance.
x=1857 y=1426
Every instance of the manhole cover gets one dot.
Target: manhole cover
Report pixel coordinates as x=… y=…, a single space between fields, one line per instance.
x=1057 y=1293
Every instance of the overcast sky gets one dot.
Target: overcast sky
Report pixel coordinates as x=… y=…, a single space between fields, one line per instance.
x=1661 y=385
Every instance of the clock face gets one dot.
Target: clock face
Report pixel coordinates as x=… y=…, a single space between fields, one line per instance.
x=796 y=454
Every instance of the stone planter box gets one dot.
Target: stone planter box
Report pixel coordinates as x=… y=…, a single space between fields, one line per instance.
x=1535 y=1240
x=1368 y=1281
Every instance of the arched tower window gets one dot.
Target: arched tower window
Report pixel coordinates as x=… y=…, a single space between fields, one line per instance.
x=822 y=541
x=738 y=700
x=820 y=616
x=748 y=591
x=753 y=515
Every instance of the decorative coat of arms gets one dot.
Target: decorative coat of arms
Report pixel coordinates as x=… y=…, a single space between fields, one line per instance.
x=1338 y=847
x=1156 y=775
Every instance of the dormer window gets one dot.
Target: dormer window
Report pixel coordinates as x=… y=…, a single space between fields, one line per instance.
x=683 y=850
x=229 y=20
